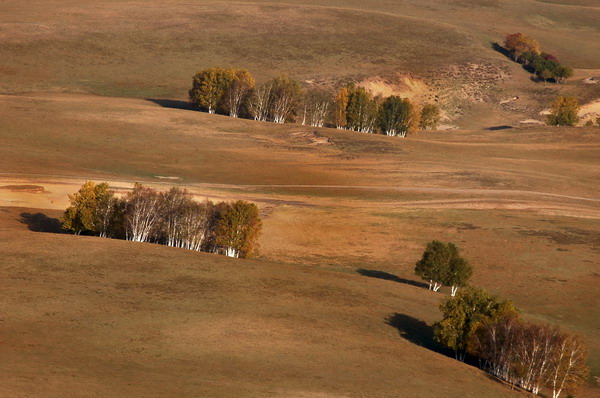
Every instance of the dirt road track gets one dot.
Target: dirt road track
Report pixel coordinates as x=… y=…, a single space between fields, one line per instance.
x=52 y=193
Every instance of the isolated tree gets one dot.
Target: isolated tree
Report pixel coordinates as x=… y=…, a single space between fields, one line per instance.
x=395 y=116
x=462 y=315
x=209 y=87
x=316 y=106
x=238 y=91
x=238 y=228
x=563 y=112
x=259 y=102
x=93 y=210
x=430 y=117
x=441 y=264
x=142 y=213
x=340 y=118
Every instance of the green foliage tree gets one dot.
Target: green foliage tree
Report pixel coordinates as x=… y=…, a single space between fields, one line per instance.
x=564 y=112
x=362 y=110
x=93 y=210
x=209 y=87
x=562 y=73
x=238 y=228
x=430 y=117
x=441 y=264
x=462 y=315
x=395 y=116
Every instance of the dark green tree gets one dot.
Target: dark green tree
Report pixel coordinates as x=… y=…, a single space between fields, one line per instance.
x=395 y=116
x=441 y=264
x=361 y=110
x=462 y=315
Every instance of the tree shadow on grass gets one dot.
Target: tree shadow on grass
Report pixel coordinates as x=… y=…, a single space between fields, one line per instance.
x=416 y=331
x=40 y=222
x=173 y=104
x=504 y=51
x=371 y=273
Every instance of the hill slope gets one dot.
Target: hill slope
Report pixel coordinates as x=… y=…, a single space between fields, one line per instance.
x=87 y=317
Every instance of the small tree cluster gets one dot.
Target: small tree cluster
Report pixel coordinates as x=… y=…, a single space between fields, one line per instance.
x=529 y=355
x=442 y=265
x=172 y=218
x=284 y=100
x=222 y=90
x=525 y=354
x=527 y=51
x=356 y=109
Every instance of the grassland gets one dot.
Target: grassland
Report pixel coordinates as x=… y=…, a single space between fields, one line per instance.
x=522 y=203
x=330 y=308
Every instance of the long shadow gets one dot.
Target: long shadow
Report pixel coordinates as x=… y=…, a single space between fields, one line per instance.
x=371 y=273
x=416 y=331
x=504 y=51
x=40 y=222
x=173 y=104
x=497 y=128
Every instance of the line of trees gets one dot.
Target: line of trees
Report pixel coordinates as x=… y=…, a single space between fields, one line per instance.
x=442 y=265
x=528 y=355
x=527 y=51
x=234 y=92
x=172 y=218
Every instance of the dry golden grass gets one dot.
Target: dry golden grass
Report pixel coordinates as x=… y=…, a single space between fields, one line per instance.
x=108 y=318
x=89 y=317
x=522 y=203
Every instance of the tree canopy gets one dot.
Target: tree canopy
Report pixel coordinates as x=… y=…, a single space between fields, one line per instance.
x=564 y=112
x=442 y=265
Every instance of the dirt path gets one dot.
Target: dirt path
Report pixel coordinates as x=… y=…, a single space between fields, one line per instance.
x=51 y=192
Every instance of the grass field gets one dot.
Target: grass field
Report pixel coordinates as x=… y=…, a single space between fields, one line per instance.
x=522 y=203
x=331 y=306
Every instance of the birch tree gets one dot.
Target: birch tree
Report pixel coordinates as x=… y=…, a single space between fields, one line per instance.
x=142 y=213
x=184 y=222
x=567 y=369
x=441 y=264
x=259 y=102
x=362 y=111
x=238 y=91
x=461 y=317
x=340 y=109
x=285 y=95
x=93 y=210
x=396 y=116
x=238 y=228
x=209 y=87
x=316 y=107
